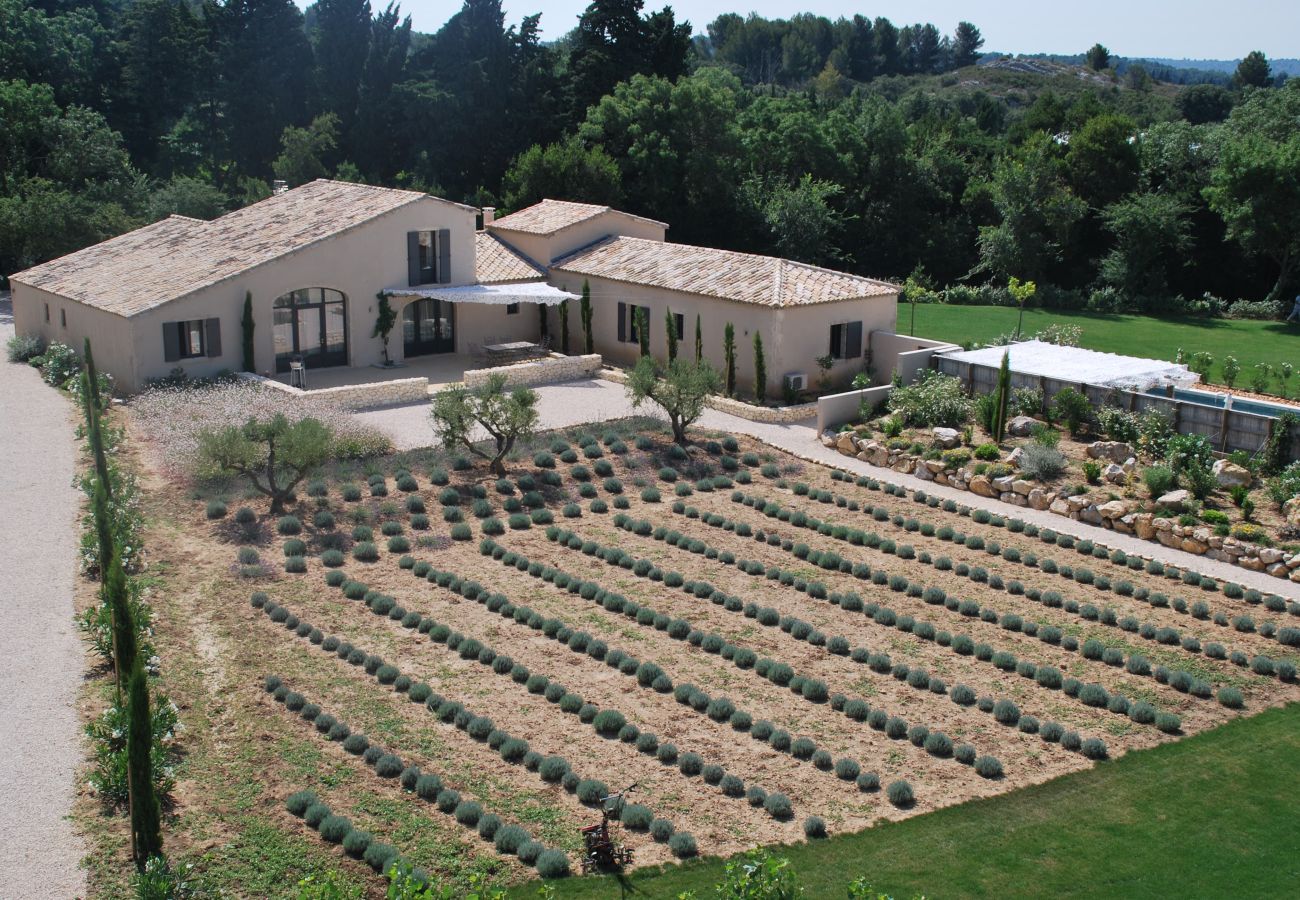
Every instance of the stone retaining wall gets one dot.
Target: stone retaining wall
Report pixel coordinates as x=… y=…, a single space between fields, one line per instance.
x=554 y=368
x=353 y=397
x=773 y=415
x=1115 y=514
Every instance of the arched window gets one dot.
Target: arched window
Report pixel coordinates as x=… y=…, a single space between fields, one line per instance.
x=311 y=323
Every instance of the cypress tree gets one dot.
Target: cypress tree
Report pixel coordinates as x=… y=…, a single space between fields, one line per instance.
x=146 y=818
x=671 y=330
x=92 y=377
x=585 y=311
x=247 y=324
x=643 y=329
x=699 y=339
x=1003 y=398
x=760 y=370
x=115 y=593
x=564 y=327
x=729 y=354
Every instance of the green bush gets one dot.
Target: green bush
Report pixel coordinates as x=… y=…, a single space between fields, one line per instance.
x=778 y=806
x=988 y=767
x=552 y=864
x=932 y=400
x=814 y=828
x=900 y=794
x=299 y=802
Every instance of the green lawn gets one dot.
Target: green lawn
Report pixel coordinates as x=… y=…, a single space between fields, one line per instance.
x=1250 y=341
x=1209 y=816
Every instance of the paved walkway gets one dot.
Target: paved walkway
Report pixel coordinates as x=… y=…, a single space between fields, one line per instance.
x=593 y=402
x=41 y=656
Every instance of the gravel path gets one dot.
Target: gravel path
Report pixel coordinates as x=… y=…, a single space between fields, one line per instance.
x=41 y=656
x=592 y=402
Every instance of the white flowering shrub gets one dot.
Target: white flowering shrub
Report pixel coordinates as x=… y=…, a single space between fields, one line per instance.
x=173 y=416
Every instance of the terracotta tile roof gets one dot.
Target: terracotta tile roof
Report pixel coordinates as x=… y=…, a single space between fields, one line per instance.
x=177 y=256
x=742 y=277
x=550 y=216
x=495 y=262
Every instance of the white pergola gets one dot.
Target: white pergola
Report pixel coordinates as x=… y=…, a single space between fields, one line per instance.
x=491 y=294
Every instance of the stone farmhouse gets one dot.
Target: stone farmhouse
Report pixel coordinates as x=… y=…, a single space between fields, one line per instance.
x=313 y=262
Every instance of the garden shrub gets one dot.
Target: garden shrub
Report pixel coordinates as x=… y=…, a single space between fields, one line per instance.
x=900 y=794
x=988 y=767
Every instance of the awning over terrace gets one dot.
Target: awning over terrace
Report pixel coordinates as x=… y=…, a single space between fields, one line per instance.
x=1079 y=365
x=493 y=294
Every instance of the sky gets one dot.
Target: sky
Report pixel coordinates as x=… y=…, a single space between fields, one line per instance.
x=1191 y=29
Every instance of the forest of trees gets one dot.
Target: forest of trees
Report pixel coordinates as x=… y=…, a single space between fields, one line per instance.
x=854 y=143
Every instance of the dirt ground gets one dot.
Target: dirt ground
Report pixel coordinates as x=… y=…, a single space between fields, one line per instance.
x=243 y=753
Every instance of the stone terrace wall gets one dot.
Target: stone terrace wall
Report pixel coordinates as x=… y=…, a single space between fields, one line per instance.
x=357 y=396
x=553 y=368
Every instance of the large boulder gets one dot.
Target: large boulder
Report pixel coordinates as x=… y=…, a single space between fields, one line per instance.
x=1175 y=500
x=1229 y=474
x=1114 y=474
x=947 y=438
x=1291 y=509
x=1115 y=509
x=1021 y=426
x=846 y=444
x=1115 y=451
x=981 y=485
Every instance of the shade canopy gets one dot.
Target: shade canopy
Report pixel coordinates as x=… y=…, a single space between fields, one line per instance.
x=1080 y=365
x=492 y=294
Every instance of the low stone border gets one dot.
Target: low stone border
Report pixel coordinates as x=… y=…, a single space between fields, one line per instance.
x=1115 y=515
x=353 y=397
x=553 y=368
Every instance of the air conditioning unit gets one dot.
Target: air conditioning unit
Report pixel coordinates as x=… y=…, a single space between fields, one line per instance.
x=796 y=381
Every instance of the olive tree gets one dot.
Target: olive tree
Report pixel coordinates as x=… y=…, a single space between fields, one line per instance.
x=680 y=389
x=275 y=455
x=459 y=413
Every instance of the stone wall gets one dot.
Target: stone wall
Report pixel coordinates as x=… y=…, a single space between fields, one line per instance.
x=1115 y=514
x=773 y=415
x=357 y=396
x=554 y=368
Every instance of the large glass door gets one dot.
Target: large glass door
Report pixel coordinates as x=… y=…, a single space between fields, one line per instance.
x=311 y=323
x=428 y=326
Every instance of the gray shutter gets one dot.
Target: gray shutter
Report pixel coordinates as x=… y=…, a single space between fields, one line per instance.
x=622 y=322
x=853 y=340
x=413 y=258
x=212 y=337
x=444 y=256
x=171 y=341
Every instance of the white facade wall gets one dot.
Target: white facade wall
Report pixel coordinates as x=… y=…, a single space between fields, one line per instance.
x=793 y=338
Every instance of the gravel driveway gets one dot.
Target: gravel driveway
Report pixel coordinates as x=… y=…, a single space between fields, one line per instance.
x=41 y=656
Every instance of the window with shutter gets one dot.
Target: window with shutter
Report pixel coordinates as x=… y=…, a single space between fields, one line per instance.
x=212 y=338
x=681 y=326
x=853 y=340
x=413 y=258
x=444 y=257
x=171 y=341
x=622 y=323
x=837 y=342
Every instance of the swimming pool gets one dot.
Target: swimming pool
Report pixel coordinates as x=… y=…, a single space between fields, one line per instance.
x=1218 y=401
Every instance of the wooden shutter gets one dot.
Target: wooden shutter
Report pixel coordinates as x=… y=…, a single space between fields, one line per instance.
x=212 y=337
x=622 y=322
x=444 y=256
x=853 y=340
x=171 y=341
x=413 y=257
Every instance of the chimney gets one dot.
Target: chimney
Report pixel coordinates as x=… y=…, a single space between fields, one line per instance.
x=489 y=215
x=279 y=186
